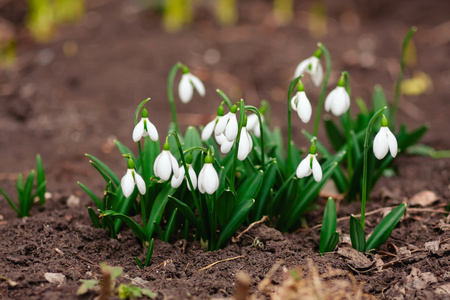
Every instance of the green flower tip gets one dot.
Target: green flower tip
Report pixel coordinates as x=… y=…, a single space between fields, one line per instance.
x=185 y=69
x=233 y=109
x=166 y=146
x=144 y=113
x=130 y=164
x=189 y=159
x=220 y=111
x=341 y=81
x=384 y=121
x=209 y=159
x=300 y=86
x=313 y=148
x=318 y=52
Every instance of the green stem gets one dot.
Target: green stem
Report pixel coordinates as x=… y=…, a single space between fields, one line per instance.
x=324 y=88
x=348 y=128
x=257 y=113
x=292 y=86
x=225 y=98
x=170 y=81
x=398 y=85
x=236 y=144
x=143 y=211
x=366 y=150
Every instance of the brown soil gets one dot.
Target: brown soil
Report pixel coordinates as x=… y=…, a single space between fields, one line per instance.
x=64 y=106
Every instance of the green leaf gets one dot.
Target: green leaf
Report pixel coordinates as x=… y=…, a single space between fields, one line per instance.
x=328 y=225
x=379 y=101
x=225 y=206
x=335 y=136
x=13 y=206
x=426 y=150
x=264 y=193
x=101 y=171
x=138 y=262
x=159 y=231
x=362 y=107
x=138 y=109
x=170 y=225
x=191 y=139
x=86 y=286
x=332 y=242
x=236 y=221
x=384 y=229
x=406 y=139
x=187 y=213
x=135 y=227
x=105 y=168
x=249 y=189
x=149 y=252
x=40 y=174
x=94 y=217
x=149 y=293
x=91 y=194
x=357 y=235
x=125 y=150
x=158 y=207
x=26 y=201
x=320 y=147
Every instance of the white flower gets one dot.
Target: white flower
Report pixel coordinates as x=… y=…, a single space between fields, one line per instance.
x=186 y=87
x=130 y=179
x=165 y=164
x=302 y=106
x=231 y=130
x=208 y=180
x=225 y=145
x=384 y=141
x=144 y=127
x=253 y=124
x=312 y=66
x=177 y=180
x=245 y=144
x=221 y=124
x=309 y=165
x=338 y=101
x=209 y=129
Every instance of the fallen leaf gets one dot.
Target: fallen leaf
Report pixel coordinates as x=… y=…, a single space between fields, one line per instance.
x=355 y=258
x=418 y=280
x=424 y=198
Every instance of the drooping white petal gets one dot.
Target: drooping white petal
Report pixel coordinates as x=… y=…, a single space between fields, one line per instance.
x=174 y=164
x=221 y=124
x=151 y=129
x=155 y=165
x=340 y=102
x=244 y=144
x=316 y=169
x=220 y=139
x=193 y=177
x=317 y=74
x=198 y=85
x=163 y=165
x=185 y=89
x=201 y=175
x=302 y=67
x=140 y=183
x=294 y=102
x=252 y=122
x=210 y=179
x=177 y=180
x=226 y=146
x=329 y=100
x=231 y=130
x=304 y=108
x=138 y=131
x=380 y=144
x=127 y=183
x=304 y=168
x=392 y=142
x=208 y=130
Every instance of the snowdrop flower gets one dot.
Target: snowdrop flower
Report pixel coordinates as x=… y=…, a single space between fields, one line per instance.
x=245 y=143
x=253 y=124
x=177 y=180
x=301 y=104
x=211 y=126
x=225 y=144
x=228 y=125
x=208 y=180
x=130 y=179
x=165 y=164
x=312 y=66
x=338 y=100
x=384 y=141
x=187 y=84
x=310 y=165
x=144 y=127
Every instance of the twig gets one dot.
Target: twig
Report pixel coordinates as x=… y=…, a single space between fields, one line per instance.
x=87 y=260
x=163 y=263
x=265 y=218
x=223 y=260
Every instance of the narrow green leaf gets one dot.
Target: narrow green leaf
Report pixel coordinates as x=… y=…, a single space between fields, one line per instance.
x=236 y=221
x=249 y=189
x=101 y=171
x=138 y=262
x=40 y=174
x=191 y=139
x=408 y=139
x=135 y=227
x=384 y=229
x=26 y=202
x=332 y=242
x=426 y=150
x=362 y=106
x=94 y=217
x=170 y=226
x=103 y=166
x=328 y=225
x=107 y=222
x=11 y=203
x=159 y=231
x=335 y=136
x=357 y=235
x=91 y=194
x=224 y=207
x=149 y=252
x=379 y=101
x=138 y=109
x=264 y=193
x=125 y=150
x=158 y=207
x=186 y=212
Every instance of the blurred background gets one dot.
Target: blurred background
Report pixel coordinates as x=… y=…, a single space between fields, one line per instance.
x=73 y=71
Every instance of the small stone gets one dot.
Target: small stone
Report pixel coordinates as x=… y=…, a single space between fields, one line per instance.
x=55 y=278
x=73 y=201
x=432 y=246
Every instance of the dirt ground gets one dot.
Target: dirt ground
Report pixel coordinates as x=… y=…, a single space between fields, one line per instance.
x=63 y=104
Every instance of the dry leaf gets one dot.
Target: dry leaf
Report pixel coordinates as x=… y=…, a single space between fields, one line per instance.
x=418 y=280
x=355 y=258
x=424 y=198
